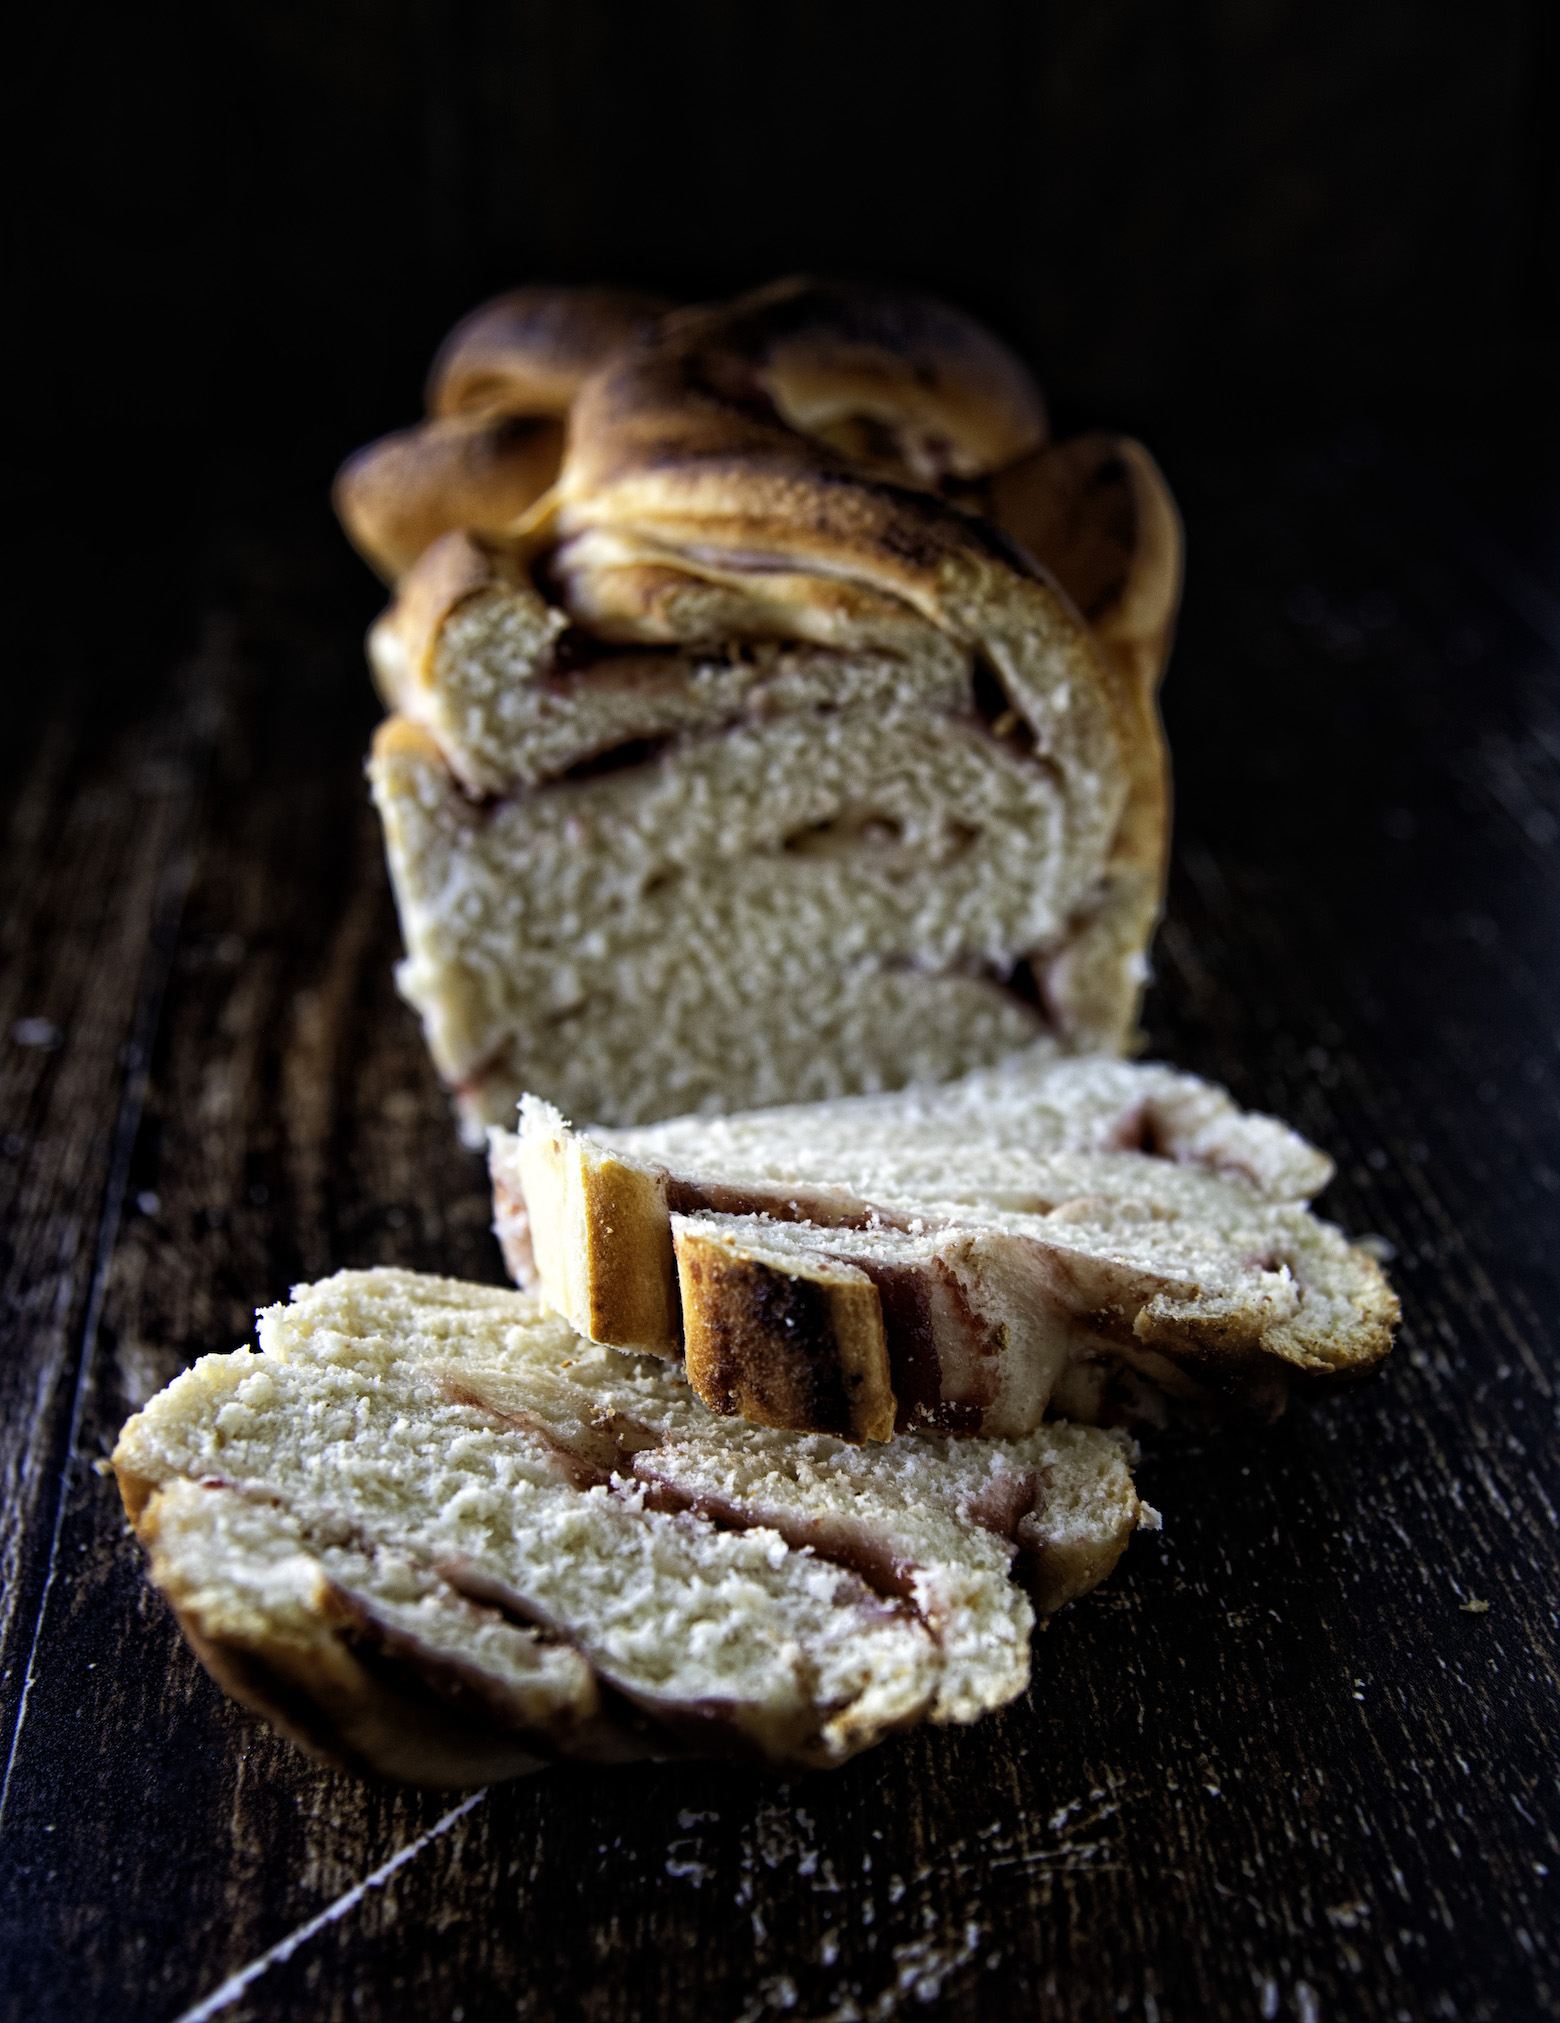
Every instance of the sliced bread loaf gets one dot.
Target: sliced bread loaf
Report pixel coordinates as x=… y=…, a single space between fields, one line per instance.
x=1085 y=1236
x=427 y=1530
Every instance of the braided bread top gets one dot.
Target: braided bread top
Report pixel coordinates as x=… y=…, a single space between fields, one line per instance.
x=530 y=351
x=683 y=458
x=894 y=381
x=497 y=396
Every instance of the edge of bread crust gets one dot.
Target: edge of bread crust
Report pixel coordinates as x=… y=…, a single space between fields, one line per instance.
x=599 y=1235
x=349 y=1690
x=796 y=1345
x=1097 y=513
x=484 y=471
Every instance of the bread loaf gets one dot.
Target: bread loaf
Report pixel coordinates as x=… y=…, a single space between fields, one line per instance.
x=428 y=1531
x=1079 y=1236
x=759 y=769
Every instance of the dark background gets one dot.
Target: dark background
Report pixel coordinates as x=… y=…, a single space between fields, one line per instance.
x=1281 y=1766
x=244 y=226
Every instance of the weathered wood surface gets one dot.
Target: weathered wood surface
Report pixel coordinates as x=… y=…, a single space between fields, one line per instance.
x=1278 y=1767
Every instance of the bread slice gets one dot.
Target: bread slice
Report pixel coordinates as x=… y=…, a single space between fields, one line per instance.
x=750 y=768
x=429 y=1531
x=1087 y=1236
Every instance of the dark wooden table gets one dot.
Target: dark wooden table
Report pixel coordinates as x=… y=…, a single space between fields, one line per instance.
x=1298 y=1759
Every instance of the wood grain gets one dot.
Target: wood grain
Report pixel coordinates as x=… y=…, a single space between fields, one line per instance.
x=1278 y=1767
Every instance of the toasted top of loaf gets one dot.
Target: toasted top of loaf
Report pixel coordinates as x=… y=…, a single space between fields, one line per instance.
x=429 y=1530
x=892 y=380
x=675 y=476
x=497 y=397
x=1027 y=1219
x=529 y=351
x=895 y=382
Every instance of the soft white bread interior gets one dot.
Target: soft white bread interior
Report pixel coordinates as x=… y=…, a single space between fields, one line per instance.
x=1084 y=1236
x=741 y=877
x=753 y=770
x=429 y=1531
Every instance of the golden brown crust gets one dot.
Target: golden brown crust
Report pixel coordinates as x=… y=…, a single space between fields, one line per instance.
x=324 y=1699
x=632 y=1301
x=892 y=380
x=135 y=1492
x=600 y=1235
x=399 y=738
x=497 y=397
x=1096 y=512
x=800 y=1349
x=527 y=351
x=895 y=382
x=480 y=471
x=676 y=438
